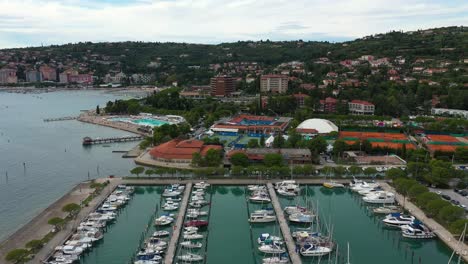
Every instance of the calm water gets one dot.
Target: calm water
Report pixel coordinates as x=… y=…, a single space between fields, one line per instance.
x=231 y=240
x=55 y=159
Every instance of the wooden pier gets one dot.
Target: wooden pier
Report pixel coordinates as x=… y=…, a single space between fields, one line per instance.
x=171 y=249
x=92 y=141
x=65 y=118
x=295 y=258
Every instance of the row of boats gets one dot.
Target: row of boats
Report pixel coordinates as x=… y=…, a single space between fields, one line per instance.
x=91 y=230
x=192 y=236
x=409 y=225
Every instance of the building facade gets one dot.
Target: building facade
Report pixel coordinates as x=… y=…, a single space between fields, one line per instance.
x=33 y=76
x=8 y=75
x=359 y=107
x=48 y=73
x=328 y=105
x=222 y=86
x=274 y=83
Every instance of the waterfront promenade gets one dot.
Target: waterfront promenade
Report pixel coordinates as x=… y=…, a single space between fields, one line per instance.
x=439 y=230
x=170 y=254
x=295 y=258
x=90 y=117
x=38 y=227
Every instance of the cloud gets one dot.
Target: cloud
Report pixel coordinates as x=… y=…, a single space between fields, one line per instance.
x=32 y=22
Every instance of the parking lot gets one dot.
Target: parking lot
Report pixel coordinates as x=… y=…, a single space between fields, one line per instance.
x=462 y=200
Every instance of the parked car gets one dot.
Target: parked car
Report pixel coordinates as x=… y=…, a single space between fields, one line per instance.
x=455 y=202
x=463 y=192
x=446 y=197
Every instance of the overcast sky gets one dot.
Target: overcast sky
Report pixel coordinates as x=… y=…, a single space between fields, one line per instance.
x=36 y=22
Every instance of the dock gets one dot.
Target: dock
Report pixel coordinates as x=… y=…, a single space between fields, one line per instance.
x=87 y=141
x=439 y=230
x=65 y=118
x=171 y=249
x=295 y=258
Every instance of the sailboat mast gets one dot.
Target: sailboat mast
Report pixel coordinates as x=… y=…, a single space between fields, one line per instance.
x=348 y=255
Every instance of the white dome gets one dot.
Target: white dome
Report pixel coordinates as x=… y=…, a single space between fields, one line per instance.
x=323 y=126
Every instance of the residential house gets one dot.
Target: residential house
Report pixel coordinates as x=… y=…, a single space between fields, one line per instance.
x=8 y=75
x=360 y=107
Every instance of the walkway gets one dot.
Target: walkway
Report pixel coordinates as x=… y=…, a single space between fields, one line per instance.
x=170 y=254
x=295 y=259
x=438 y=229
x=68 y=230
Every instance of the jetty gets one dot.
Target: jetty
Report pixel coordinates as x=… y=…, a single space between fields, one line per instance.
x=295 y=258
x=92 y=141
x=65 y=118
x=171 y=249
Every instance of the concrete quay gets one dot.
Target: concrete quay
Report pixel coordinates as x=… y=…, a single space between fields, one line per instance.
x=88 y=117
x=295 y=258
x=439 y=230
x=170 y=254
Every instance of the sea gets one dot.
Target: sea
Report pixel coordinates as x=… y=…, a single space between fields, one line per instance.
x=41 y=161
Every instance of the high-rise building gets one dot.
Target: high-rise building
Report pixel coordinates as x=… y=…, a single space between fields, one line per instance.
x=274 y=83
x=222 y=86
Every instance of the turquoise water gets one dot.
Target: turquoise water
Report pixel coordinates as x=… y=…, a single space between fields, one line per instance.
x=52 y=152
x=353 y=222
x=122 y=239
x=150 y=122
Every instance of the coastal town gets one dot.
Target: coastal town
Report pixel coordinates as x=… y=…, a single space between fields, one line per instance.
x=274 y=157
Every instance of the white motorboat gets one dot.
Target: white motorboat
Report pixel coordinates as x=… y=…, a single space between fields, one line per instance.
x=266 y=238
x=172 y=199
x=201 y=185
x=397 y=219
x=363 y=185
x=108 y=207
x=163 y=220
x=333 y=184
x=190 y=257
x=276 y=260
x=254 y=188
x=193 y=236
x=72 y=250
x=190 y=244
x=386 y=209
x=171 y=193
x=416 y=233
x=380 y=197
x=261 y=217
x=370 y=190
x=170 y=207
x=198 y=204
x=311 y=250
x=355 y=182
x=273 y=248
x=155 y=243
x=284 y=191
x=284 y=183
x=294 y=209
x=260 y=198
x=301 y=218
x=161 y=233
x=190 y=229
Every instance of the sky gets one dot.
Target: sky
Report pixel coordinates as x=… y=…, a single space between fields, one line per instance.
x=45 y=22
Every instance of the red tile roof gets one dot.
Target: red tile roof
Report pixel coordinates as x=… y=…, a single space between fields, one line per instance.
x=180 y=149
x=361 y=102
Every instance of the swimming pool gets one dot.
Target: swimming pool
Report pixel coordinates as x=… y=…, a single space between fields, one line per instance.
x=141 y=121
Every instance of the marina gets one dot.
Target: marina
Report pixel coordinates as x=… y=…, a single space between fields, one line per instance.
x=342 y=215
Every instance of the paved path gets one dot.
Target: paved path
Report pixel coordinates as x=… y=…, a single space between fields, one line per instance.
x=295 y=259
x=38 y=227
x=438 y=229
x=68 y=230
x=225 y=181
x=170 y=254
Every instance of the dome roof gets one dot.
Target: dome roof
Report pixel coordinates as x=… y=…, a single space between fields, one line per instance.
x=322 y=126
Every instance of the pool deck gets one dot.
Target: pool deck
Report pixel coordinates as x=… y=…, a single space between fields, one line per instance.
x=102 y=120
x=170 y=254
x=438 y=229
x=295 y=258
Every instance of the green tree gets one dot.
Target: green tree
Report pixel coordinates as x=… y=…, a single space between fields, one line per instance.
x=34 y=244
x=433 y=207
x=273 y=159
x=213 y=158
x=339 y=171
x=279 y=141
x=149 y=172
x=308 y=169
x=197 y=159
x=355 y=170
x=57 y=222
x=137 y=171
x=262 y=141
x=18 y=256
x=339 y=147
x=369 y=171
x=450 y=214
x=98 y=111
x=253 y=143
x=458 y=226
x=424 y=198
x=416 y=190
x=395 y=173
x=240 y=159
x=317 y=145
x=237 y=170
x=71 y=208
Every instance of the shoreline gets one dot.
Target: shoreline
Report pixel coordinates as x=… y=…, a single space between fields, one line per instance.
x=87 y=117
